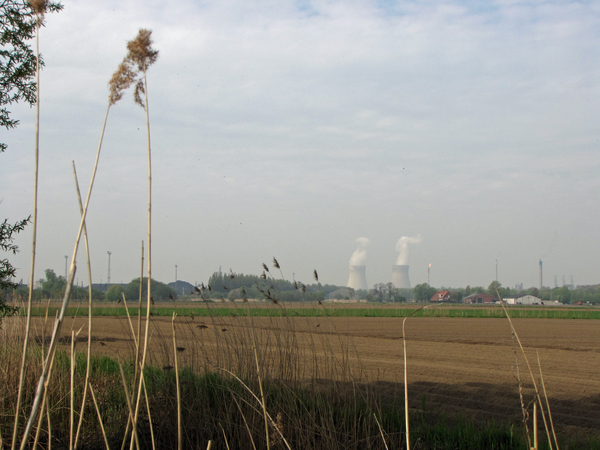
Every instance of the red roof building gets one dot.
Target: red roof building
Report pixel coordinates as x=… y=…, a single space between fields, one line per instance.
x=441 y=296
x=480 y=298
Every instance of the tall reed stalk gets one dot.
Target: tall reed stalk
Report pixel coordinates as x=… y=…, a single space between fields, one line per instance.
x=175 y=350
x=406 y=377
x=39 y=8
x=89 y=342
x=140 y=57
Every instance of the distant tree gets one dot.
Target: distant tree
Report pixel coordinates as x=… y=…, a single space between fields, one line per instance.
x=562 y=294
x=423 y=292
x=160 y=291
x=456 y=296
x=467 y=291
x=115 y=293
x=53 y=286
x=494 y=285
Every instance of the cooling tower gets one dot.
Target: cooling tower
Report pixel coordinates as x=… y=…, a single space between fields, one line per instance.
x=358 y=277
x=400 y=277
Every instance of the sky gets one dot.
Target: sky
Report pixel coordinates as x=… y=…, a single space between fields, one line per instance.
x=289 y=129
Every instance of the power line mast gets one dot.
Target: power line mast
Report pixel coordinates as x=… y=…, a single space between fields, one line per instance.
x=108 y=277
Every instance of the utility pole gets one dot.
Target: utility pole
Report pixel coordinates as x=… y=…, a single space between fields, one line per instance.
x=108 y=277
x=175 y=273
x=496 y=271
x=66 y=258
x=428 y=273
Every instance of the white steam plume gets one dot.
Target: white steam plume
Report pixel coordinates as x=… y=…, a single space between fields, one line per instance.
x=359 y=257
x=402 y=248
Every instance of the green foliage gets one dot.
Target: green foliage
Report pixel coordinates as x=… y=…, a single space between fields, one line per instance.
x=233 y=286
x=7 y=236
x=562 y=294
x=586 y=294
x=160 y=291
x=115 y=292
x=54 y=285
x=17 y=59
x=423 y=292
x=496 y=288
x=7 y=271
x=386 y=293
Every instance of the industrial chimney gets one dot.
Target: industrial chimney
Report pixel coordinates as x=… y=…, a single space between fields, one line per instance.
x=358 y=277
x=400 y=276
x=541 y=274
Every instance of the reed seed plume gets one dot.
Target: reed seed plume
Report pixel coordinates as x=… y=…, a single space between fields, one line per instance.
x=120 y=82
x=141 y=55
x=39 y=6
x=140 y=51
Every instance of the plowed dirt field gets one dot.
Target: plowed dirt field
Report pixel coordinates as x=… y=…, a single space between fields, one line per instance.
x=462 y=367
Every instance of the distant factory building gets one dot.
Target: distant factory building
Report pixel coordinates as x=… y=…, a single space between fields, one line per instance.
x=441 y=296
x=480 y=298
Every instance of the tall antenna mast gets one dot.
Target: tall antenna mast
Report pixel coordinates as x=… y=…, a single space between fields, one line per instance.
x=108 y=277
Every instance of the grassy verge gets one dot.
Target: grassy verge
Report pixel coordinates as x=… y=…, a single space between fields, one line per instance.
x=220 y=408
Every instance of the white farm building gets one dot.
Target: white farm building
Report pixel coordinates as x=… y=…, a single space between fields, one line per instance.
x=525 y=300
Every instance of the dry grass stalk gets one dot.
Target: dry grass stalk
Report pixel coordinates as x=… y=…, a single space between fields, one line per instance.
x=148 y=407
x=179 y=430
x=99 y=417
x=129 y=406
x=47 y=406
x=245 y=421
x=141 y=374
x=142 y=55
x=39 y=8
x=139 y=322
x=406 y=418
x=535 y=386
x=535 y=427
x=43 y=380
x=89 y=343
x=225 y=437
x=270 y=419
x=137 y=346
x=521 y=398
x=547 y=403
x=380 y=431
x=262 y=393
x=72 y=391
x=41 y=418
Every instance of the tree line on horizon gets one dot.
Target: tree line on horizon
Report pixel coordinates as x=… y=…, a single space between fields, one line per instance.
x=238 y=286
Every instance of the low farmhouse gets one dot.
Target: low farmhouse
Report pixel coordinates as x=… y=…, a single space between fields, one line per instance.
x=480 y=298
x=441 y=296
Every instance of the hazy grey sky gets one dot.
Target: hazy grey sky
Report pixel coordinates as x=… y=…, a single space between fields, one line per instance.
x=290 y=129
